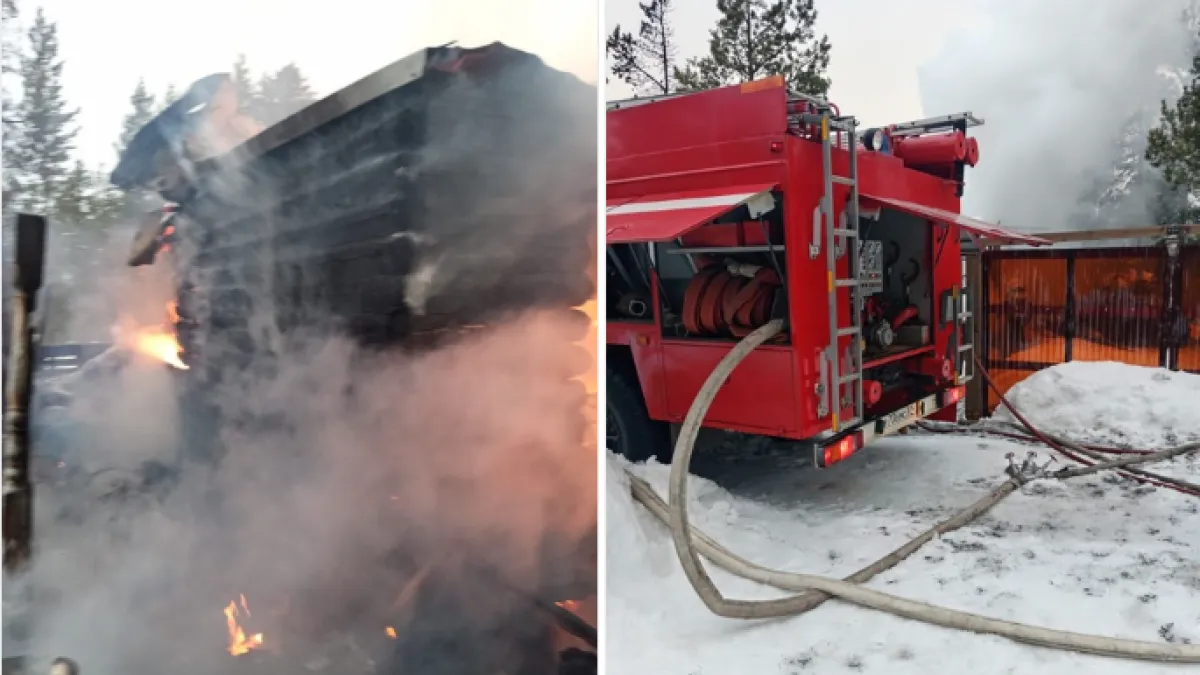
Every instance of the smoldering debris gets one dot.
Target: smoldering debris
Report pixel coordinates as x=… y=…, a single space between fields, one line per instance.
x=469 y=195
x=467 y=458
x=339 y=472
x=1067 y=90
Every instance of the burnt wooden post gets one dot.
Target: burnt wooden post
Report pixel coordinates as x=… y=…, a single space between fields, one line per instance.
x=1170 y=324
x=26 y=275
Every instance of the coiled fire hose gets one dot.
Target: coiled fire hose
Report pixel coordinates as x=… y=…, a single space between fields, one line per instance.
x=729 y=299
x=690 y=543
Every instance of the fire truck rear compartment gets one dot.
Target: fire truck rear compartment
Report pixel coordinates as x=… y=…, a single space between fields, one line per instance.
x=779 y=208
x=896 y=256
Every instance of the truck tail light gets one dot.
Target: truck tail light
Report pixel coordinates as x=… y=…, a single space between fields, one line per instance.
x=953 y=395
x=827 y=456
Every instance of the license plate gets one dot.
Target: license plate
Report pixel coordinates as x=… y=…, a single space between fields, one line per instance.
x=894 y=421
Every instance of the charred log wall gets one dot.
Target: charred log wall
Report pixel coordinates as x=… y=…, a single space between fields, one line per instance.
x=455 y=200
x=459 y=197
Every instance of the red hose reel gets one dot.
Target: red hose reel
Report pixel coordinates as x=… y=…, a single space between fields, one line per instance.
x=719 y=302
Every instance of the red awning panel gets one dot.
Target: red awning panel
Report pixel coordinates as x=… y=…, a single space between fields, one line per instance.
x=979 y=228
x=667 y=216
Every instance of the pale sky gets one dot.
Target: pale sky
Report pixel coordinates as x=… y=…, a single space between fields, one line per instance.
x=877 y=47
x=1027 y=67
x=107 y=45
x=976 y=55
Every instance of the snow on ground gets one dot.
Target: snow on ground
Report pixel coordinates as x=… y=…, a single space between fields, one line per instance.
x=1114 y=404
x=1095 y=554
x=1111 y=404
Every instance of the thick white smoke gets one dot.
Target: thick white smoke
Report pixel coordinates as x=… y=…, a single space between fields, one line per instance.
x=1058 y=84
x=468 y=458
x=342 y=470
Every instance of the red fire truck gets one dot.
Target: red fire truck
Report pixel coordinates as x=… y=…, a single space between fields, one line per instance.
x=731 y=207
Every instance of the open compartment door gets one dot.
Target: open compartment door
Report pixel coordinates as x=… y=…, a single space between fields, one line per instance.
x=987 y=232
x=669 y=215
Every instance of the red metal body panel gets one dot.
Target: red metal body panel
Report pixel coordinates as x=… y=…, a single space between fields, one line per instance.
x=717 y=139
x=645 y=342
x=757 y=398
x=662 y=217
x=728 y=139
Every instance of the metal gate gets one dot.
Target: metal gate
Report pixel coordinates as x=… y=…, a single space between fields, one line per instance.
x=1137 y=305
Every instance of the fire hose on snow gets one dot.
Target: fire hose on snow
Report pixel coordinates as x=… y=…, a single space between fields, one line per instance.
x=1025 y=431
x=691 y=543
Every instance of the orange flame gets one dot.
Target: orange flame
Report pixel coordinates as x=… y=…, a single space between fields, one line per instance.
x=589 y=343
x=157 y=342
x=391 y=632
x=239 y=643
x=569 y=605
x=160 y=344
x=588 y=378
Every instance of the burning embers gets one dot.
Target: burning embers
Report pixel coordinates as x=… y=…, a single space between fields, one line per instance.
x=239 y=642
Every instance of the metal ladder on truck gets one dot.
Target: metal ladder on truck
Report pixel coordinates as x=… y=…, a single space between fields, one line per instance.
x=839 y=371
x=964 y=316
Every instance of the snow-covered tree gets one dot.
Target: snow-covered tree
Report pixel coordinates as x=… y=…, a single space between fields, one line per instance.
x=40 y=157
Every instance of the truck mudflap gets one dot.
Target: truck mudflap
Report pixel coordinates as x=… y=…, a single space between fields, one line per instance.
x=830 y=451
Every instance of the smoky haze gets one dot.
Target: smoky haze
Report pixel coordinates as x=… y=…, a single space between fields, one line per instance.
x=1057 y=83
x=346 y=470
x=88 y=284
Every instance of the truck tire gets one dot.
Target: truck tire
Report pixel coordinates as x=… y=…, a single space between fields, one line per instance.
x=629 y=431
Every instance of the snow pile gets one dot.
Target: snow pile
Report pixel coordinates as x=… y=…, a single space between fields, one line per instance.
x=1111 y=404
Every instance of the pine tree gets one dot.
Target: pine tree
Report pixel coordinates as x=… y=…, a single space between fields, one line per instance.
x=144 y=107
x=1173 y=146
x=758 y=38
x=645 y=62
x=10 y=55
x=106 y=203
x=283 y=94
x=41 y=153
x=1171 y=205
x=169 y=96
x=86 y=198
x=243 y=84
x=71 y=202
x=10 y=70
